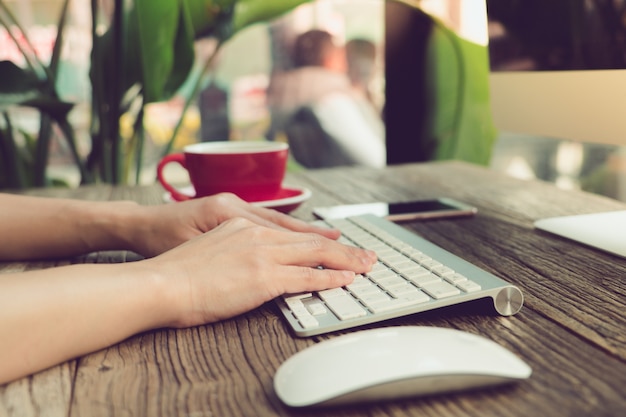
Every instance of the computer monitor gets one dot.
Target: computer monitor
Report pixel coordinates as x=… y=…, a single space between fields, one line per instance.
x=559 y=68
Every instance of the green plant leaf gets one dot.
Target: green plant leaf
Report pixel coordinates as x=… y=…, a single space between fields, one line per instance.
x=16 y=80
x=58 y=43
x=224 y=18
x=208 y=16
x=12 y=173
x=160 y=55
x=158 y=50
x=19 y=87
x=184 y=53
x=460 y=112
x=248 y=12
x=52 y=106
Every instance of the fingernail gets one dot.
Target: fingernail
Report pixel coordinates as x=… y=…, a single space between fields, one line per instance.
x=349 y=275
x=367 y=263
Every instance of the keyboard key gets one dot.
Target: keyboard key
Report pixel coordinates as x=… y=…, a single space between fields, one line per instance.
x=403 y=302
x=411 y=268
x=308 y=322
x=373 y=299
x=346 y=241
x=296 y=297
x=316 y=309
x=455 y=278
x=405 y=248
x=442 y=271
x=359 y=281
x=423 y=279
x=379 y=275
x=333 y=292
x=345 y=307
x=379 y=267
x=419 y=256
x=389 y=283
x=431 y=264
x=294 y=303
x=468 y=286
x=396 y=258
x=402 y=290
x=301 y=313
x=440 y=290
x=364 y=290
x=378 y=246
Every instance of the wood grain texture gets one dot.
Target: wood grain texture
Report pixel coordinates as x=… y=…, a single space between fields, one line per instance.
x=572 y=329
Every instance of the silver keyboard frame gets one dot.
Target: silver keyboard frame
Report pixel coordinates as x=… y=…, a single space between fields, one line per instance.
x=507 y=298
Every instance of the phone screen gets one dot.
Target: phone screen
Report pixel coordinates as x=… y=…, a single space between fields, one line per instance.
x=417 y=207
x=410 y=210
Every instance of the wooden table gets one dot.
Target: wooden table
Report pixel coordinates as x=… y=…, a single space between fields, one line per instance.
x=571 y=330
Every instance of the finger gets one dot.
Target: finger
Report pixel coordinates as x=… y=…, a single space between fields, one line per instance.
x=314 y=250
x=301 y=226
x=289 y=222
x=302 y=279
x=277 y=220
x=236 y=207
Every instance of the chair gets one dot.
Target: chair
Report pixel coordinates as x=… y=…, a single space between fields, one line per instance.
x=310 y=145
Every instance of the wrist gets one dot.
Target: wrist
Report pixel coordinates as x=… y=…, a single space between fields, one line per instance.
x=168 y=295
x=110 y=225
x=157 y=302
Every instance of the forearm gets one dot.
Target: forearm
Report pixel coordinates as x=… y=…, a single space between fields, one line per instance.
x=35 y=228
x=50 y=316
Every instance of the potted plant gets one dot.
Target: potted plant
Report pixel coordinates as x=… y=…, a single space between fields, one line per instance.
x=145 y=54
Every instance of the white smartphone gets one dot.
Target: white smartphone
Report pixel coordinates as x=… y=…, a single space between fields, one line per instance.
x=400 y=211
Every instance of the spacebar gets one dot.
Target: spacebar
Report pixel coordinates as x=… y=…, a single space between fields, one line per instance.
x=343 y=305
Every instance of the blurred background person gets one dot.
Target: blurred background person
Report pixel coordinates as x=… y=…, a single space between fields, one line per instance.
x=327 y=121
x=361 y=65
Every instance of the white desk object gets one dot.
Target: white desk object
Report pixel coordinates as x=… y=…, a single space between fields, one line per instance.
x=605 y=231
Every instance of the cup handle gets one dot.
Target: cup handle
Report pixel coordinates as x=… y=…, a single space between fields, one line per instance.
x=180 y=159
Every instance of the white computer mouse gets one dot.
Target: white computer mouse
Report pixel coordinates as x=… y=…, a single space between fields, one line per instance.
x=394 y=362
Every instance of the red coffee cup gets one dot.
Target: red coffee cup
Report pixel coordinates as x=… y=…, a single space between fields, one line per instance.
x=254 y=170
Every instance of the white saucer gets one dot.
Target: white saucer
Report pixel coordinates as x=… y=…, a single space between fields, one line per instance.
x=288 y=198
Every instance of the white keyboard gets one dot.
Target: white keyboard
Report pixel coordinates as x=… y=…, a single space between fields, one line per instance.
x=411 y=276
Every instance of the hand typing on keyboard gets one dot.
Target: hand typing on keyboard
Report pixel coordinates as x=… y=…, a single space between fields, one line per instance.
x=206 y=259
x=411 y=275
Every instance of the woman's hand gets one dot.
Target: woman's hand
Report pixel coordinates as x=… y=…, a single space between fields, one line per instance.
x=214 y=258
x=166 y=226
x=37 y=228
x=240 y=265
